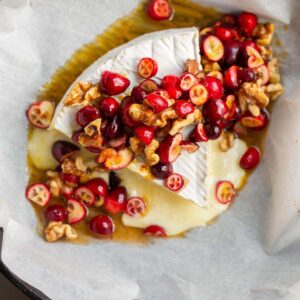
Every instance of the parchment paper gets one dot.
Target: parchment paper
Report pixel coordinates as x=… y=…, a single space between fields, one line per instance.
x=222 y=261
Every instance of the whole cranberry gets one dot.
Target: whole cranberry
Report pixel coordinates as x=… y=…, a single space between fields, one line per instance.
x=114 y=83
x=116 y=201
x=86 y=115
x=214 y=87
x=243 y=59
x=224 y=33
x=171 y=84
x=229 y=19
x=102 y=225
x=109 y=106
x=98 y=186
x=55 y=212
x=214 y=110
x=161 y=170
x=63 y=149
x=232 y=50
x=246 y=75
x=251 y=158
x=212 y=130
x=113 y=129
x=184 y=108
x=138 y=94
x=247 y=22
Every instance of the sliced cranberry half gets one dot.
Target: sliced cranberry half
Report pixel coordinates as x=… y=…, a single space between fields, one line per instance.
x=247 y=22
x=187 y=80
x=184 y=108
x=157 y=102
x=169 y=149
x=213 y=48
x=102 y=224
x=125 y=117
x=251 y=158
x=76 y=211
x=63 y=149
x=119 y=160
x=215 y=110
x=149 y=85
x=262 y=73
x=85 y=195
x=118 y=142
x=231 y=80
x=225 y=192
x=161 y=170
x=174 y=182
x=198 y=94
x=38 y=193
x=40 y=114
x=147 y=67
x=138 y=94
x=135 y=207
x=232 y=106
x=145 y=134
x=160 y=10
x=256 y=123
x=155 y=231
x=109 y=106
x=171 y=84
x=116 y=201
x=98 y=187
x=189 y=146
x=55 y=212
x=255 y=60
x=214 y=87
x=114 y=83
x=87 y=115
x=199 y=133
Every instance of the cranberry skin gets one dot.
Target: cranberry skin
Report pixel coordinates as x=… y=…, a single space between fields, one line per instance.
x=161 y=170
x=224 y=33
x=116 y=201
x=56 y=213
x=184 y=108
x=212 y=130
x=109 y=106
x=246 y=75
x=138 y=94
x=145 y=134
x=113 y=83
x=63 y=149
x=247 y=22
x=214 y=110
x=76 y=135
x=171 y=84
x=98 y=186
x=102 y=225
x=232 y=51
x=126 y=119
x=87 y=115
x=113 y=129
x=104 y=125
x=251 y=158
x=214 y=87
x=113 y=181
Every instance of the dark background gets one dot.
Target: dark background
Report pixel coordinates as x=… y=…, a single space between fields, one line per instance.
x=9 y=292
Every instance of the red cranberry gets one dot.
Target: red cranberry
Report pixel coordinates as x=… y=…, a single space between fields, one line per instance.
x=113 y=181
x=231 y=80
x=251 y=158
x=109 y=106
x=98 y=186
x=224 y=33
x=214 y=87
x=55 y=212
x=126 y=119
x=145 y=134
x=171 y=84
x=161 y=170
x=102 y=225
x=69 y=178
x=104 y=125
x=214 y=110
x=250 y=43
x=232 y=50
x=113 y=129
x=184 y=108
x=86 y=115
x=246 y=75
x=160 y=10
x=113 y=83
x=247 y=22
x=158 y=103
x=155 y=230
x=212 y=130
x=115 y=202
x=229 y=19
x=138 y=94
x=76 y=135
x=243 y=53
x=63 y=149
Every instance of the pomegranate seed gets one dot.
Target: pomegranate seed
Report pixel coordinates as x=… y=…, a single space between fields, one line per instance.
x=198 y=94
x=98 y=187
x=109 y=106
x=114 y=83
x=187 y=80
x=145 y=134
x=155 y=230
x=161 y=170
x=63 y=149
x=113 y=181
x=214 y=87
x=213 y=48
x=76 y=211
x=169 y=149
x=224 y=33
x=213 y=131
x=38 y=193
x=231 y=80
x=85 y=195
x=174 y=182
x=232 y=50
x=158 y=103
x=116 y=201
x=246 y=75
x=135 y=207
x=56 y=213
x=184 y=108
x=102 y=224
x=87 y=115
x=251 y=158
x=147 y=67
x=247 y=22
x=199 y=133
x=126 y=119
x=171 y=84
x=160 y=10
x=149 y=85
x=225 y=191
x=138 y=94
x=113 y=129
x=215 y=110
x=40 y=114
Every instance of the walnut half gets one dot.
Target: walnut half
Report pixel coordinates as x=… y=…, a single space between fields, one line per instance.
x=57 y=230
x=150 y=153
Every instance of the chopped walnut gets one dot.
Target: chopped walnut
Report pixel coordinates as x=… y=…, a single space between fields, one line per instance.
x=274 y=71
x=99 y=202
x=57 y=230
x=69 y=167
x=80 y=165
x=254 y=110
x=181 y=123
x=151 y=157
x=266 y=52
x=264 y=33
x=136 y=145
x=274 y=91
x=227 y=140
x=106 y=153
x=205 y=30
x=55 y=183
x=82 y=93
x=93 y=127
x=193 y=66
x=198 y=115
x=91 y=137
x=211 y=66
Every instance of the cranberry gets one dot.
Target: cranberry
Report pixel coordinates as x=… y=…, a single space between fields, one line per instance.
x=212 y=130
x=243 y=53
x=76 y=135
x=214 y=87
x=157 y=102
x=125 y=101
x=63 y=149
x=138 y=94
x=161 y=170
x=171 y=84
x=231 y=80
x=86 y=115
x=56 y=213
x=251 y=158
x=246 y=75
x=38 y=193
x=113 y=129
x=214 y=110
x=145 y=134
x=229 y=19
x=113 y=83
x=115 y=202
x=69 y=179
x=224 y=33
x=109 y=106
x=155 y=230
x=199 y=134
x=98 y=186
x=102 y=225
x=250 y=43
x=184 y=108
x=247 y=22
x=174 y=182
x=104 y=125
x=147 y=67
x=113 y=181
x=232 y=51
x=160 y=10
x=126 y=119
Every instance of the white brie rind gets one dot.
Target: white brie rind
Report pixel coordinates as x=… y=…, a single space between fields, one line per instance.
x=169 y=48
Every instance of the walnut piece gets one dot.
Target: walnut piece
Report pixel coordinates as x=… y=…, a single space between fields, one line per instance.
x=91 y=137
x=193 y=66
x=82 y=94
x=55 y=183
x=211 y=66
x=274 y=71
x=179 y=124
x=106 y=153
x=136 y=145
x=69 y=167
x=274 y=91
x=151 y=157
x=57 y=230
x=254 y=110
x=264 y=33
x=227 y=140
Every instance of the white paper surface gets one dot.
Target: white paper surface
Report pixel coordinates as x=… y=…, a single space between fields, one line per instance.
x=222 y=261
